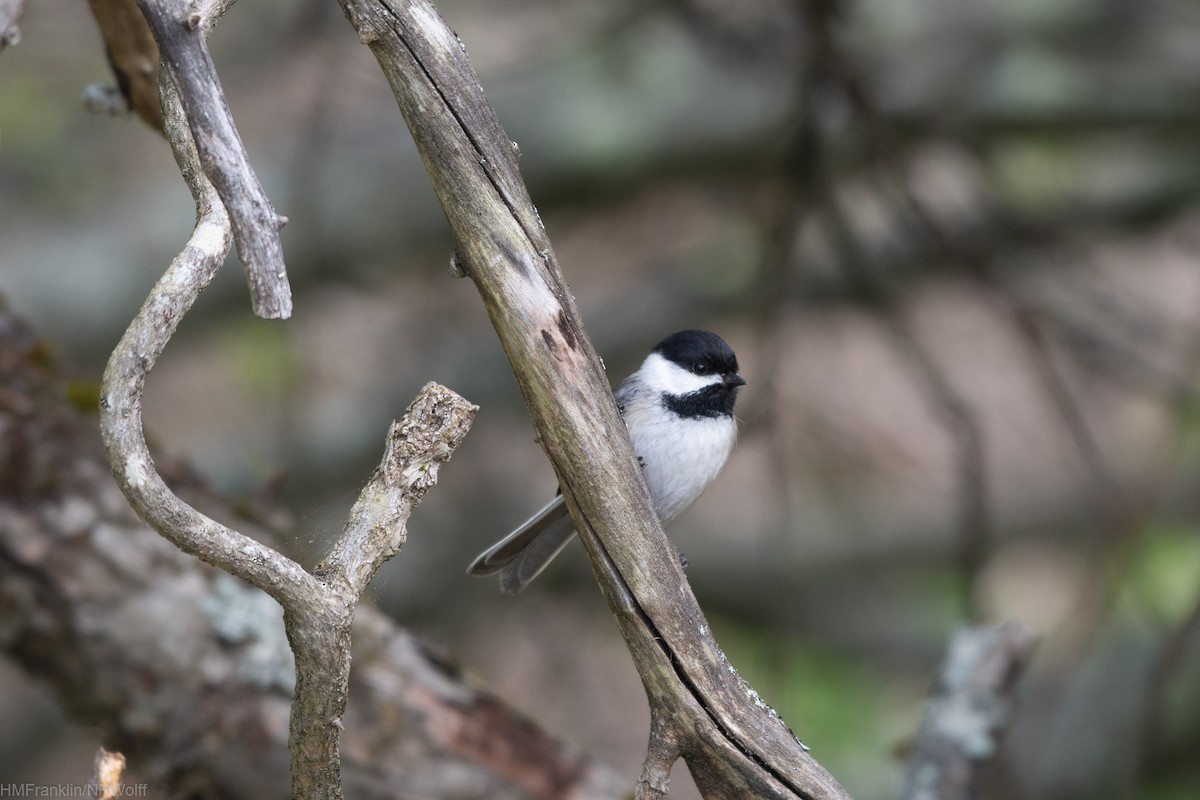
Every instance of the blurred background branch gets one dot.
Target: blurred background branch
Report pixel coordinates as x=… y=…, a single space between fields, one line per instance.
x=10 y=13
x=967 y=714
x=132 y=55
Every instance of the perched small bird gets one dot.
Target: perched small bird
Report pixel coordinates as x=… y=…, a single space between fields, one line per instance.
x=678 y=408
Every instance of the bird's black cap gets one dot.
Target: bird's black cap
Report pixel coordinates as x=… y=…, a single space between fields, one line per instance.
x=700 y=352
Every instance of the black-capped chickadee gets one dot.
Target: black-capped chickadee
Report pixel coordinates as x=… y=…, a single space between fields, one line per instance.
x=678 y=408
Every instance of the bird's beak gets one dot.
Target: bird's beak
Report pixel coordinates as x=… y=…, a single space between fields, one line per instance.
x=733 y=379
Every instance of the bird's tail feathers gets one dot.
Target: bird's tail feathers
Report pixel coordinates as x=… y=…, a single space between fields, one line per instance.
x=523 y=554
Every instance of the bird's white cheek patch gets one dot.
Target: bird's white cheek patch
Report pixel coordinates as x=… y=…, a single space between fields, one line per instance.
x=672 y=378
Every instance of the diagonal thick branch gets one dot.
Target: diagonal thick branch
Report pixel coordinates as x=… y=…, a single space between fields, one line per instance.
x=318 y=608
x=180 y=33
x=734 y=744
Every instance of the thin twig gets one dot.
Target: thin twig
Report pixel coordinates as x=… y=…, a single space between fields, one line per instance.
x=180 y=35
x=1107 y=488
x=432 y=428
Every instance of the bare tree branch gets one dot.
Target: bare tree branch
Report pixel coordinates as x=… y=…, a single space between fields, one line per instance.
x=187 y=671
x=967 y=712
x=318 y=610
x=180 y=35
x=734 y=744
x=433 y=427
x=121 y=395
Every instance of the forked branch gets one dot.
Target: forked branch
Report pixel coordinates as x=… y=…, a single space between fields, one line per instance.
x=318 y=607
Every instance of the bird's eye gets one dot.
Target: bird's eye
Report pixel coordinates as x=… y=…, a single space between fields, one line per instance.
x=701 y=368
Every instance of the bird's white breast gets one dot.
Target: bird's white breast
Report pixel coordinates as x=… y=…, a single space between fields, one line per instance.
x=680 y=456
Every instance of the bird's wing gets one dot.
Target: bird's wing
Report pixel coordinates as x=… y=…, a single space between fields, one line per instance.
x=626 y=391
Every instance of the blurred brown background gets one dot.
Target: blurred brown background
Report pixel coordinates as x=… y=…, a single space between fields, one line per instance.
x=956 y=245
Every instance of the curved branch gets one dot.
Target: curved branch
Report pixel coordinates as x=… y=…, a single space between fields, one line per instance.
x=125 y=376
x=318 y=610
x=733 y=743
